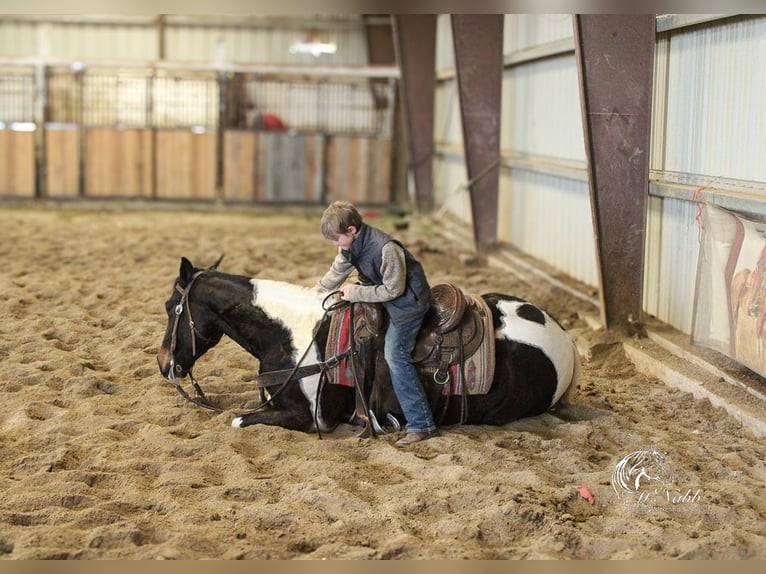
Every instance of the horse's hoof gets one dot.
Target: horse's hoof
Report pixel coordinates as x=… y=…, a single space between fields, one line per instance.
x=237 y=422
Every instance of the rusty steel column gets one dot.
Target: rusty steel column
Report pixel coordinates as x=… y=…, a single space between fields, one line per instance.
x=615 y=58
x=478 y=40
x=415 y=43
x=380 y=40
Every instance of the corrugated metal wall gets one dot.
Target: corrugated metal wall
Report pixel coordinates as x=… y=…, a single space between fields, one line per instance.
x=266 y=39
x=199 y=39
x=715 y=99
x=707 y=144
x=544 y=202
x=72 y=37
x=524 y=31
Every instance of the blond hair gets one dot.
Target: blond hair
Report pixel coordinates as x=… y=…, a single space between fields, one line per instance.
x=338 y=217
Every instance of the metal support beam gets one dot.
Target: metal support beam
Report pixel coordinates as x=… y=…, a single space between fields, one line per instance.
x=380 y=40
x=415 y=42
x=478 y=40
x=615 y=57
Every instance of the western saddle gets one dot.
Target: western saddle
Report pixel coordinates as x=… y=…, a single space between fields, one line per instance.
x=452 y=331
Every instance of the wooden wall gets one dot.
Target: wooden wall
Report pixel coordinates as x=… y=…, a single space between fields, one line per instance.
x=118 y=163
x=281 y=167
x=178 y=164
x=62 y=159
x=17 y=163
x=186 y=164
x=359 y=169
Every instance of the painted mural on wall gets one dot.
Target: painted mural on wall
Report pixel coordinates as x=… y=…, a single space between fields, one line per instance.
x=730 y=305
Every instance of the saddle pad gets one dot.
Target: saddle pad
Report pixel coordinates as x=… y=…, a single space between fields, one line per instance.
x=337 y=342
x=479 y=368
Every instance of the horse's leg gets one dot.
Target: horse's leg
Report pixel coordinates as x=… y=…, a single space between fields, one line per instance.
x=286 y=418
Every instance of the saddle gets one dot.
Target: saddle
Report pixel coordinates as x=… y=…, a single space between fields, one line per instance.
x=452 y=331
x=452 y=340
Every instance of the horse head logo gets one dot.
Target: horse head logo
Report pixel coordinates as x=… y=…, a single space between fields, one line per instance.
x=639 y=469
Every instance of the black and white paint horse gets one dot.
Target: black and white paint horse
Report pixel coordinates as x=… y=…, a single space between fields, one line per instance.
x=536 y=359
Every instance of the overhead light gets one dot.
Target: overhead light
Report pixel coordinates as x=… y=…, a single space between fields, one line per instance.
x=313 y=46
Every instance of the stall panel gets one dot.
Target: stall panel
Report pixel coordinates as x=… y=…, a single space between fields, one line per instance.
x=118 y=163
x=62 y=161
x=239 y=165
x=186 y=164
x=289 y=168
x=17 y=163
x=359 y=170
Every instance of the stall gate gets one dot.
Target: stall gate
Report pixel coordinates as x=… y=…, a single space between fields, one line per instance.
x=151 y=133
x=17 y=131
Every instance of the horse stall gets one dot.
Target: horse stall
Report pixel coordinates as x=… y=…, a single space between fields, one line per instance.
x=18 y=131
x=307 y=140
x=115 y=132
x=198 y=134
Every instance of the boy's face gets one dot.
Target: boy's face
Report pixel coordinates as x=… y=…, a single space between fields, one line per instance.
x=345 y=240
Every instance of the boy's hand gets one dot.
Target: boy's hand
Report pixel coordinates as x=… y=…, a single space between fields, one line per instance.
x=345 y=292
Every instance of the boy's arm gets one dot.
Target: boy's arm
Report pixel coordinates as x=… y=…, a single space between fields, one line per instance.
x=334 y=278
x=393 y=268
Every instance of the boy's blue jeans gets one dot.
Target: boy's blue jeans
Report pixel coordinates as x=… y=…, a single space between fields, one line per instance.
x=400 y=341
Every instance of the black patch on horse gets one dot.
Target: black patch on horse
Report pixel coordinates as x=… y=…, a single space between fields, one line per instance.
x=531 y=313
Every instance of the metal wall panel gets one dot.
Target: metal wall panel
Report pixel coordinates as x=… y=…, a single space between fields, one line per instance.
x=447 y=128
x=204 y=39
x=450 y=193
x=549 y=218
x=445 y=51
x=260 y=44
x=18 y=38
x=525 y=31
x=97 y=40
x=671 y=264
x=716 y=87
x=541 y=110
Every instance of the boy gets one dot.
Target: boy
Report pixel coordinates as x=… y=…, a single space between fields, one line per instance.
x=390 y=275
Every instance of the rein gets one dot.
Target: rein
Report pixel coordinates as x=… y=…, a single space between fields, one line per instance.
x=297 y=372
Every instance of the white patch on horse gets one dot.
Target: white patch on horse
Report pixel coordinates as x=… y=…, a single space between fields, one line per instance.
x=550 y=338
x=299 y=309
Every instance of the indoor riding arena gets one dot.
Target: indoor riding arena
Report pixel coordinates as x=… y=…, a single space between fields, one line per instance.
x=604 y=168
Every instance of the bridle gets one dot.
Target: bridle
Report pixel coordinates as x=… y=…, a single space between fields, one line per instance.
x=183 y=305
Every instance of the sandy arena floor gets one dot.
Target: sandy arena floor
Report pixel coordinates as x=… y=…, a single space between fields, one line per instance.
x=101 y=458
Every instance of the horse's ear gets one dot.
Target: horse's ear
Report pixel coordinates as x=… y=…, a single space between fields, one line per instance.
x=217 y=263
x=186 y=272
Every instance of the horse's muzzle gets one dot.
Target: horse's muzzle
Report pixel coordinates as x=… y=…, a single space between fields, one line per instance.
x=166 y=364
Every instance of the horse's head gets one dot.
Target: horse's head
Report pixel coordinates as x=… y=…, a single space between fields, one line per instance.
x=191 y=330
